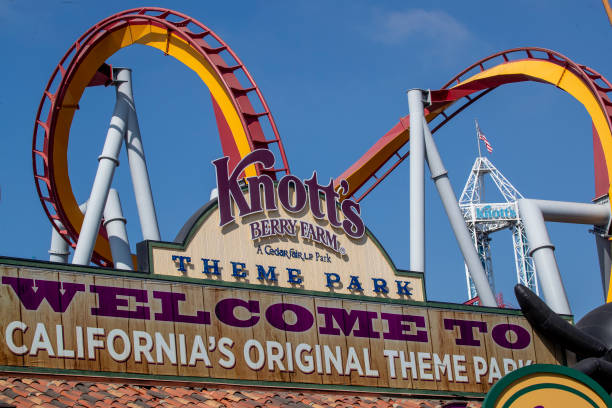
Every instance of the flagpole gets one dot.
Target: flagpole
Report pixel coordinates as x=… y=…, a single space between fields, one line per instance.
x=477 y=138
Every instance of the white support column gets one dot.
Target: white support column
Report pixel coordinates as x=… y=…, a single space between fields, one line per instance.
x=59 y=250
x=107 y=162
x=542 y=251
x=138 y=164
x=463 y=236
x=417 y=181
x=534 y=214
x=117 y=233
x=575 y=213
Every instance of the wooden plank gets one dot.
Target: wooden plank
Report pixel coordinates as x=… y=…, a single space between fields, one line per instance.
x=415 y=347
x=137 y=325
x=218 y=330
x=377 y=346
x=309 y=337
x=108 y=323
x=493 y=354
x=522 y=356
x=443 y=342
x=195 y=334
x=332 y=343
x=546 y=351
x=264 y=332
x=163 y=364
x=45 y=318
x=76 y=319
x=10 y=311
x=393 y=376
x=359 y=344
x=471 y=351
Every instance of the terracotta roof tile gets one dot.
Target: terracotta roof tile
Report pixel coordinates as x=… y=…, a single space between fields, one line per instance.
x=62 y=402
x=215 y=404
x=59 y=392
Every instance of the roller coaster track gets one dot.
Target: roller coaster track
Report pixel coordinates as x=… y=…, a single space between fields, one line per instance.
x=240 y=125
x=83 y=65
x=470 y=85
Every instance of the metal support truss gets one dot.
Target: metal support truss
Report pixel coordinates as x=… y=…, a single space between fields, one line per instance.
x=483 y=218
x=483 y=248
x=525 y=266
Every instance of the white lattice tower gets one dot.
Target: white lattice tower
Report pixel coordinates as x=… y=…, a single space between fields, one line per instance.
x=483 y=218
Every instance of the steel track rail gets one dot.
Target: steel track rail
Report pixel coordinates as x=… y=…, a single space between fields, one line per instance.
x=450 y=100
x=221 y=57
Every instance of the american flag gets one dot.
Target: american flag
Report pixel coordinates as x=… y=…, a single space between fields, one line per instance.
x=482 y=137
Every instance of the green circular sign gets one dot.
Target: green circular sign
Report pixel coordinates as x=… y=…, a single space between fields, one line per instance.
x=547 y=386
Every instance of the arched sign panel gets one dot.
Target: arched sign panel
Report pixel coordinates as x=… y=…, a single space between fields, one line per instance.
x=292 y=234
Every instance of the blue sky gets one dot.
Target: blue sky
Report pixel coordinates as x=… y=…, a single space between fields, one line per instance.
x=334 y=75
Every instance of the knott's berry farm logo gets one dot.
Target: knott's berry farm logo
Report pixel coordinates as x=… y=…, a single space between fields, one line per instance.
x=306 y=192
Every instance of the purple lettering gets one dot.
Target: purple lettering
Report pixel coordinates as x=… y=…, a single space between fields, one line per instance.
x=330 y=203
x=306 y=229
x=292 y=226
x=466 y=332
x=109 y=302
x=284 y=195
x=313 y=195
x=225 y=312
x=331 y=240
x=228 y=187
x=255 y=230
x=499 y=334
x=353 y=225
x=275 y=227
x=398 y=327
x=170 y=309
x=230 y=192
x=50 y=290
x=320 y=232
x=255 y=194
x=265 y=228
x=275 y=316
x=346 y=321
x=284 y=227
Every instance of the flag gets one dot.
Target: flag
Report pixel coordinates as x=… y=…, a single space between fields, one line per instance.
x=482 y=137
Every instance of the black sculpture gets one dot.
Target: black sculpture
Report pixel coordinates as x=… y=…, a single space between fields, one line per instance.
x=590 y=338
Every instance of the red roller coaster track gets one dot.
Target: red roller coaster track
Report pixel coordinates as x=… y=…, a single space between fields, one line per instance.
x=49 y=147
x=224 y=61
x=459 y=93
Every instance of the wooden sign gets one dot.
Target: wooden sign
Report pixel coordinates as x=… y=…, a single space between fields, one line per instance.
x=283 y=250
x=94 y=321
